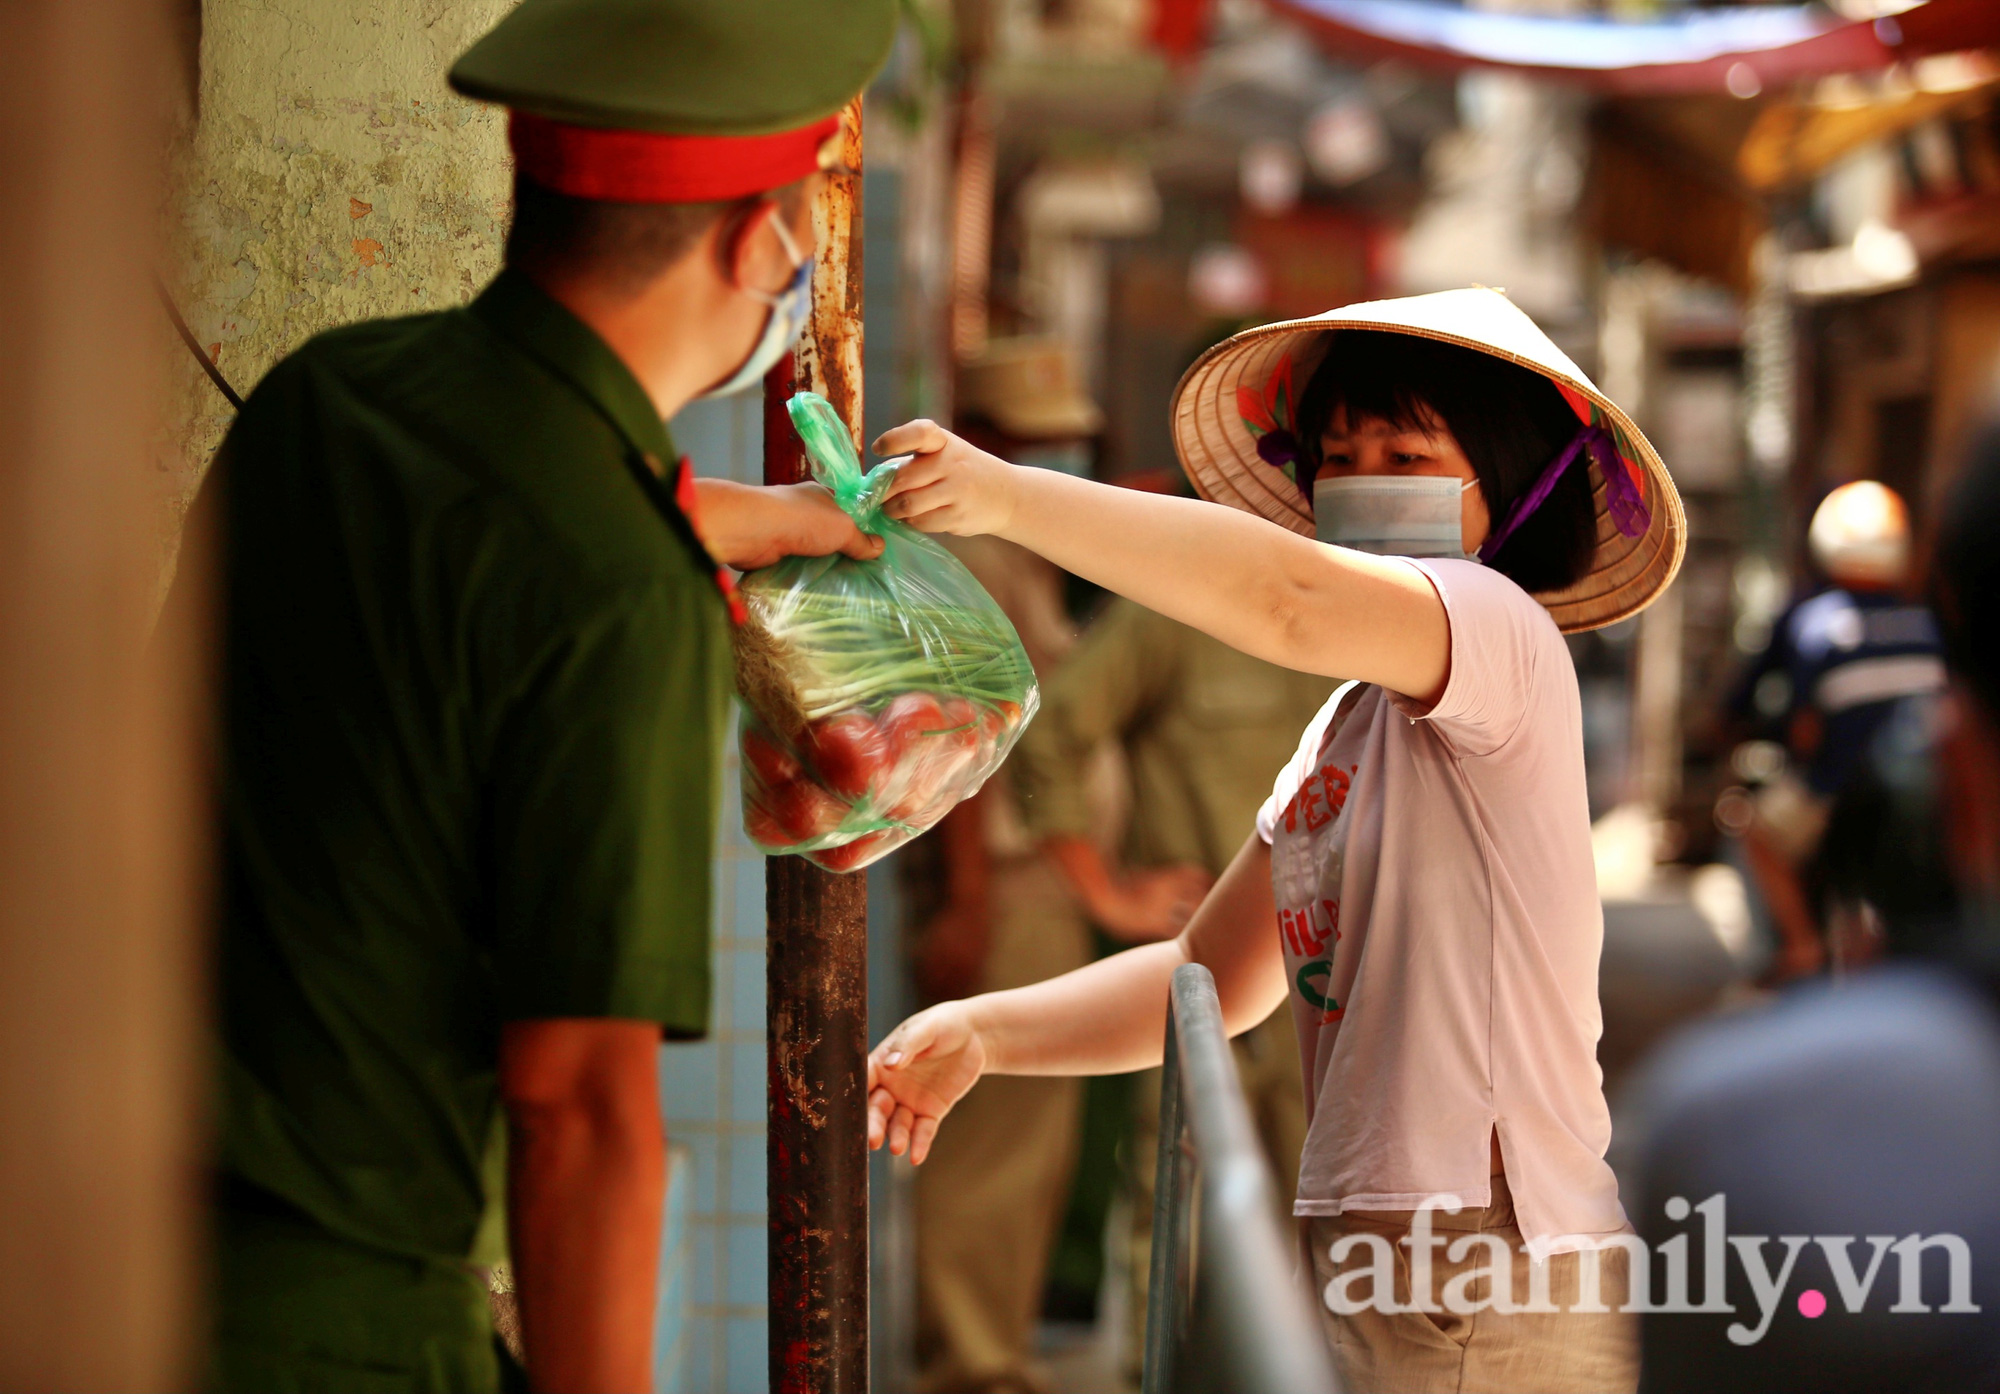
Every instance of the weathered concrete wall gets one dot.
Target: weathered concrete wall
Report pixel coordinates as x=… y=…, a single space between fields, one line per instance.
x=332 y=177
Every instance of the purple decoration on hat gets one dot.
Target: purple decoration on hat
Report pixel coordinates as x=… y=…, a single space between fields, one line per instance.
x=1622 y=499
x=1278 y=447
x=1266 y=413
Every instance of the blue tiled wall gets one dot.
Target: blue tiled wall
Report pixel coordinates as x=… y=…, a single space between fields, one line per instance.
x=676 y=1263
x=712 y=1091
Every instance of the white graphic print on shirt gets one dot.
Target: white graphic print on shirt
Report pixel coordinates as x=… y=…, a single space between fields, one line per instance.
x=1308 y=855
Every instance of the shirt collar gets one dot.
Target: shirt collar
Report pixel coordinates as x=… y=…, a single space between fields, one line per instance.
x=542 y=328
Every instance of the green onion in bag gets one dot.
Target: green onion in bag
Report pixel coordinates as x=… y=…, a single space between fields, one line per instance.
x=879 y=693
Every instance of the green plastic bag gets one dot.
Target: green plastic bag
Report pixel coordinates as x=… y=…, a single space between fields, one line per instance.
x=878 y=694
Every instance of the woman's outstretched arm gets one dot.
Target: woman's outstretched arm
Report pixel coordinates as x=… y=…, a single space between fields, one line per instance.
x=1254 y=585
x=1107 y=1018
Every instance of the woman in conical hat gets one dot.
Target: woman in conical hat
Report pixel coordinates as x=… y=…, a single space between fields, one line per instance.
x=1423 y=495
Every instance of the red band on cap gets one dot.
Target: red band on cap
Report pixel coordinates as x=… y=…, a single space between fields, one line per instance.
x=641 y=167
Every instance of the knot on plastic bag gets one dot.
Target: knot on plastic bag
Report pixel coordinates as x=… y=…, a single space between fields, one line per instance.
x=835 y=464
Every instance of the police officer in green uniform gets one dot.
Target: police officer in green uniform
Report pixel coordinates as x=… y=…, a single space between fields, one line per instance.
x=477 y=681
x=1205 y=730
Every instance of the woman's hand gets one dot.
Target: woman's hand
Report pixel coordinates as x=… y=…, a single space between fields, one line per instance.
x=950 y=486
x=1106 y=1018
x=919 y=1071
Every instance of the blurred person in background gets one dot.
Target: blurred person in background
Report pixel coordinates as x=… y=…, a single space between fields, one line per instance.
x=1838 y=662
x=1869 y=1107
x=991 y=1198
x=1883 y=861
x=1026 y=395
x=1204 y=729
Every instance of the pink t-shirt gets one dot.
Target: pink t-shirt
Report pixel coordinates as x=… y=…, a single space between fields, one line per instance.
x=1437 y=903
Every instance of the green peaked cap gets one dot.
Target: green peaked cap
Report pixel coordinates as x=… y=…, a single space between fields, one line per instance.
x=680 y=67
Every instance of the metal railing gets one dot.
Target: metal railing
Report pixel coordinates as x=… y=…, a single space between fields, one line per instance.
x=1226 y=1314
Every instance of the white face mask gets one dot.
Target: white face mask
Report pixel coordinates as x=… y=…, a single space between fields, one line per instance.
x=790 y=309
x=1392 y=516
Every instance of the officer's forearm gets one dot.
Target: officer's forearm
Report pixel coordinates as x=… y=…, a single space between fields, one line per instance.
x=749 y=526
x=586 y=1192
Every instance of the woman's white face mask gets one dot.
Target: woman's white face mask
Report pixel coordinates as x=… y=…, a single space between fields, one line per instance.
x=1394 y=516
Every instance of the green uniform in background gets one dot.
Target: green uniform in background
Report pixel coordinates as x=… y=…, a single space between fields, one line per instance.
x=1205 y=730
x=477 y=679
x=991 y=1196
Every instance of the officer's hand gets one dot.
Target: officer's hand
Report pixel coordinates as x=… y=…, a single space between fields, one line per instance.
x=919 y=1071
x=746 y=526
x=950 y=486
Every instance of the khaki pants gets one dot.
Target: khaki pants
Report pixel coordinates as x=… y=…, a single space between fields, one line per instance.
x=1267 y=1061
x=1469 y=1351
x=992 y=1193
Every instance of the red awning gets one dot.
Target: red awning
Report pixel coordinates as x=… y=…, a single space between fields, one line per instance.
x=1694 y=52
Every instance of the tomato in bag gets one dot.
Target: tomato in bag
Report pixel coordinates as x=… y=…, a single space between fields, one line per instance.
x=877 y=694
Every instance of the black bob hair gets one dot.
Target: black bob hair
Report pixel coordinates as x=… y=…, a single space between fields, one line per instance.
x=1510 y=422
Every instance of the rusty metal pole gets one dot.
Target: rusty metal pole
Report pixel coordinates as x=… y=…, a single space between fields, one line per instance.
x=816 y=930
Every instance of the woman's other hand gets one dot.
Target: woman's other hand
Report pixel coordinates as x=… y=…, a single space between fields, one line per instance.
x=920 y=1070
x=949 y=486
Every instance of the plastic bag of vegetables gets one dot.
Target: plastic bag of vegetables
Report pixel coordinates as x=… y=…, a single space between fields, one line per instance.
x=878 y=694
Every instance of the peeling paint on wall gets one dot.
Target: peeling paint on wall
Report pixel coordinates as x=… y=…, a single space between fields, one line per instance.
x=333 y=177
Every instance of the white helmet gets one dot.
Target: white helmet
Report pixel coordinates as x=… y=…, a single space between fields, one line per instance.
x=1860 y=535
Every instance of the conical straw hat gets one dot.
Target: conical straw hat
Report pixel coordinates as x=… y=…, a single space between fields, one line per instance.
x=1218 y=446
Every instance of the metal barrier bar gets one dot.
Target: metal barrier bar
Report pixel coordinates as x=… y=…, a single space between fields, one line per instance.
x=1248 y=1329
x=1173 y=1190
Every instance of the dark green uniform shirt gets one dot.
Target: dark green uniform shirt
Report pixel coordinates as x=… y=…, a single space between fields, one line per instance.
x=478 y=673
